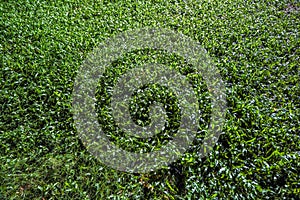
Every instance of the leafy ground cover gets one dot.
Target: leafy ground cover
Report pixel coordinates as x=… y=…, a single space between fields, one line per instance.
x=254 y=44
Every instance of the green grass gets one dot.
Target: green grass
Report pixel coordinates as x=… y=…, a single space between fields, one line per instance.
x=254 y=44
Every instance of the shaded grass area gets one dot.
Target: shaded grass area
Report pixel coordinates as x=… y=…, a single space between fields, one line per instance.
x=254 y=44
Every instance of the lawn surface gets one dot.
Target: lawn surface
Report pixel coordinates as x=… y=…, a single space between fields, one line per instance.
x=255 y=46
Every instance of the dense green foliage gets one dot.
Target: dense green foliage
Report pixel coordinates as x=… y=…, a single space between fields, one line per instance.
x=254 y=44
